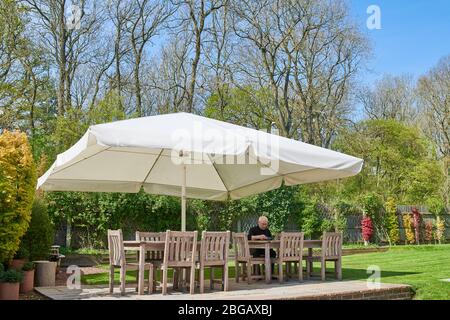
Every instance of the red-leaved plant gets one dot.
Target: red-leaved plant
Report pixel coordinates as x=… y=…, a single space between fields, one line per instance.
x=367 y=228
x=417 y=218
x=428 y=231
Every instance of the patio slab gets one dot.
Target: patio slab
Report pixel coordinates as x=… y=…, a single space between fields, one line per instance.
x=292 y=290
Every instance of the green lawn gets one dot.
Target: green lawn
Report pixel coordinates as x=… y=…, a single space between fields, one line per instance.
x=422 y=267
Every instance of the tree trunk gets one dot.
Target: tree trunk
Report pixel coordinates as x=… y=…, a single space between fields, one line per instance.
x=137 y=87
x=61 y=56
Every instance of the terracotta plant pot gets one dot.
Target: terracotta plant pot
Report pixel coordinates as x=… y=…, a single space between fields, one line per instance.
x=27 y=283
x=9 y=290
x=17 y=264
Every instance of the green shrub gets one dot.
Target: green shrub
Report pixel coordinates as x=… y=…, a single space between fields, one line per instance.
x=22 y=253
x=39 y=237
x=311 y=220
x=17 y=188
x=28 y=266
x=11 y=276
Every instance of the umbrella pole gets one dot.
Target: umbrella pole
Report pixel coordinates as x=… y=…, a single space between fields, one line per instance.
x=183 y=200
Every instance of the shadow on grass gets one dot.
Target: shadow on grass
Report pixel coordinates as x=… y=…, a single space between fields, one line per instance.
x=363 y=274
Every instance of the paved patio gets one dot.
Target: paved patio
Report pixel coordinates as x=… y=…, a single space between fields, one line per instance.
x=292 y=290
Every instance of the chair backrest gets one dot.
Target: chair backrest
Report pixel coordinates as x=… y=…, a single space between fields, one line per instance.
x=241 y=249
x=291 y=245
x=116 y=248
x=152 y=236
x=214 y=246
x=332 y=244
x=180 y=248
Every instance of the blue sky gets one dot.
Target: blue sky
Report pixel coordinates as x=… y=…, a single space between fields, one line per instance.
x=414 y=35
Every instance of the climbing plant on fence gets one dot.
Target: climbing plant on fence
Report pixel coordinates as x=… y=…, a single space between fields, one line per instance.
x=17 y=185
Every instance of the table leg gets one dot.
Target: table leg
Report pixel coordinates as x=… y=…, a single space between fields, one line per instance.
x=141 y=269
x=267 y=263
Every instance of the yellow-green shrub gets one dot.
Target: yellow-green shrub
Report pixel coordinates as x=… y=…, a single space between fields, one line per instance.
x=440 y=229
x=408 y=226
x=392 y=220
x=17 y=185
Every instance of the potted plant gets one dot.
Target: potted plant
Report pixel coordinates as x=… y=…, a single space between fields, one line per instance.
x=9 y=284
x=27 y=283
x=19 y=259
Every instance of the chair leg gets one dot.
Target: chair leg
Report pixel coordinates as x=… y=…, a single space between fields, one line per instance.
x=175 y=278
x=183 y=274
x=249 y=273
x=164 y=282
x=211 y=278
x=300 y=269
x=225 y=277
x=236 y=271
x=280 y=272
x=122 y=280
x=150 y=279
x=323 y=267
x=308 y=269
x=338 y=268
x=156 y=273
x=202 y=279
x=111 y=279
x=192 y=280
x=137 y=280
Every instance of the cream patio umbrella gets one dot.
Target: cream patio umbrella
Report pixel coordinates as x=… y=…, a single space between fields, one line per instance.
x=187 y=155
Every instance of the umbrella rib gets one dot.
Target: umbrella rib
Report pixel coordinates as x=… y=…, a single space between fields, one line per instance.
x=283 y=176
x=76 y=162
x=153 y=165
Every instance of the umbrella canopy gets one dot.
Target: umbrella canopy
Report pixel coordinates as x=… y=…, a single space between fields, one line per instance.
x=186 y=155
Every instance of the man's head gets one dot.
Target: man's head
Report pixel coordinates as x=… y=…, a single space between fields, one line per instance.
x=263 y=223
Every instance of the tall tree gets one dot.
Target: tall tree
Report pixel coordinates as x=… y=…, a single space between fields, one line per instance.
x=434 y=93
x=393 y=97
x=66 y=37
x=144 y=22
x=198 y=12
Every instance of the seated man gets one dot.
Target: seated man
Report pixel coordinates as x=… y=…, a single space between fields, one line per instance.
x=261 y=232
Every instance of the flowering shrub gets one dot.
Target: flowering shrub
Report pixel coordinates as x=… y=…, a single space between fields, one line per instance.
x=367 y=228
x=417 y=218
x=428 y=231
x=408 y=226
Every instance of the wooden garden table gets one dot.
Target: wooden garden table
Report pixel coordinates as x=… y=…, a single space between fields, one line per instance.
x=275 y=244
x=142 y=247
x=266 y=245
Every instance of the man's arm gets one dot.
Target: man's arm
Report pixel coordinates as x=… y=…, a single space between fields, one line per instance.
x=251 y=236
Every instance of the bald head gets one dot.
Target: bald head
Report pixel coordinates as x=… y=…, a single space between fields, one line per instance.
x=263 y=222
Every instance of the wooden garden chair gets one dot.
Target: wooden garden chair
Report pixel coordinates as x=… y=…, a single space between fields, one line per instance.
x=153 y=257
x=291 y=251
x=243 y=258
x=331 y=251
x=180 y=252
x=117 y=259
x=214 y=253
